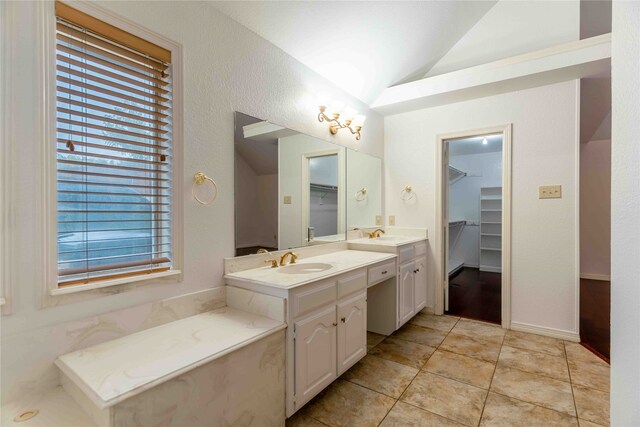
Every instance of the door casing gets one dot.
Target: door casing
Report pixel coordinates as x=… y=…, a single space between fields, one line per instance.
x=442 y=217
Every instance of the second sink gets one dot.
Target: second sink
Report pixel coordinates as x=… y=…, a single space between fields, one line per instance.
x=305 y=268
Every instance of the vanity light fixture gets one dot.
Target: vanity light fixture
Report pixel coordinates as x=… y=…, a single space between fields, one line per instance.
x=331 y=115
x=485 y=141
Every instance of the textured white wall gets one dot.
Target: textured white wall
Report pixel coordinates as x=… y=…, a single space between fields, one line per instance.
x=595 y=208
x=363 y=171
x=625 y=215
x=512 y=28
x=545 y=151
x=226 y=68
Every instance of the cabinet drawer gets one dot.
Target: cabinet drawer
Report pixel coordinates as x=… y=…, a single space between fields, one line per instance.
x=351 y=283
x=310 y=297
x=405 y=253
x=381 y=272
x=419 y=249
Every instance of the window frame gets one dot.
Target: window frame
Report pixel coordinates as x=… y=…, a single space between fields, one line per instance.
x=50 y=164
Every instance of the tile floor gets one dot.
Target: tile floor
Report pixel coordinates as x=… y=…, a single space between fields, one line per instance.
x=447 y=371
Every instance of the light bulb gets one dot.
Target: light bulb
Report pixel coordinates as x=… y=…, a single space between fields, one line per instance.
x=336 y=107
x=323 y=100
x=484 y=141
x=359 y=120
x=349 y=114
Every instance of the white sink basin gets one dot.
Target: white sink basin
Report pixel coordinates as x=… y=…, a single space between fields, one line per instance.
x=308 y=268
x=389 y=238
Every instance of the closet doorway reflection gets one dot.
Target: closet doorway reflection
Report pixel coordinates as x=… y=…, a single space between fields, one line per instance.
x=473 y=211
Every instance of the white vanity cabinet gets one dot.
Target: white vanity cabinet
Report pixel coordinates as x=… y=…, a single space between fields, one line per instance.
x=329 y=331
x=411 y=278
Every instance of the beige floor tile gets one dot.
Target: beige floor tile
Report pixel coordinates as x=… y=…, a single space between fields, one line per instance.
x=474 y=329
x=577 y=353
x=534 y=362
x=473 y=347
x=299 y=419
x=506 y=412
x=347 y=404
x=374 y=339
x=402 y=351
x=585 y=423
x=532 y=388
x=405 y=415
x=592 y=405
x=441 y=323
x=381 y=375
x=462 y=368
x=590 y=375
x=534 y=342
x=451 y=399
x=420 y=334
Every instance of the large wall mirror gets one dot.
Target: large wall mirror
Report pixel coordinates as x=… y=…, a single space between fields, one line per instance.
x=294 y=190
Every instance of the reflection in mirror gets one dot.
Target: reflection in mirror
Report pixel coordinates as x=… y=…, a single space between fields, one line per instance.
x=364 y=190
x=289 y=188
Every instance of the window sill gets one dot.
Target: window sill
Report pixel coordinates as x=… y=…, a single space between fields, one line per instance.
x=114 y=282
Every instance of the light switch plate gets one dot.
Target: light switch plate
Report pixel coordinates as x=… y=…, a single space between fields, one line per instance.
x=287 y=200
x=550 y=192
x=378 y=219
x=392 y=220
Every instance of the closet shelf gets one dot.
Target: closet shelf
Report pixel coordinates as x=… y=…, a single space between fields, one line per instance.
x=491 y=210
x=490 y=258
x=491 y=249
x=455 y=174
x=491 y=222
x=491 y=198
x=491 y=234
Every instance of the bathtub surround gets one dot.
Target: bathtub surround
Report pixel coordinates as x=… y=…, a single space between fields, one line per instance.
x=238 y=65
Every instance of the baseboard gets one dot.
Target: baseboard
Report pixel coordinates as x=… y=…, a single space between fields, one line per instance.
x=548 y=332
x=427 y=310
x=603 y=277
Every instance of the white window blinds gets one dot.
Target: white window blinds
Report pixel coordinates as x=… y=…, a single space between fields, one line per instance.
x=114 y=151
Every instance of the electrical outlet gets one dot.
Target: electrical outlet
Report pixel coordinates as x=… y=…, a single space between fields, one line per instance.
x=392 y=220
x=550 y=192
x=378 y=219
x=287 y=200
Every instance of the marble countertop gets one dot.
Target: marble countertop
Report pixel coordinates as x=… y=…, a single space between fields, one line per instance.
x=341 y=262
x=115 y=370
x=387 y=240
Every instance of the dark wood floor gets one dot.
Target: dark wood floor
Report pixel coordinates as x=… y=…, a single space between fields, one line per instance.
x=476 y=294
x=595 y=316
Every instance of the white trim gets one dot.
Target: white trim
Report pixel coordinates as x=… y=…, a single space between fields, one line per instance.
x=65 y=290
x=506 y=216
x=305 y=177
x=592 y=276
x=545 y=331
x=49 y=197
x=576 y=223
x=6 y=181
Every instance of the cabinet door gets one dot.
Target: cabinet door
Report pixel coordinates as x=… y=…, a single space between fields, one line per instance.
x=421 y=283
x=315 y=354
x=352 y=331
x=406 y=304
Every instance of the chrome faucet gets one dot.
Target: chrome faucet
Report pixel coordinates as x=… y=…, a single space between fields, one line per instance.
x=376 y=233
x=283 y=259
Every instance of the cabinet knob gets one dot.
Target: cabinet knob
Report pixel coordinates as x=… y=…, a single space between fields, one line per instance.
x=334 y=324
x=343 y=319
x=415 y=271
x=384 y=272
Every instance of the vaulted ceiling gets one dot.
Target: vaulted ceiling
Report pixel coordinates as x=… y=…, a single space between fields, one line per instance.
x=362 y=47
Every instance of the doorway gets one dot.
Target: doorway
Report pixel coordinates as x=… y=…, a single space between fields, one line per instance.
x=473 y=243
x=322 y=194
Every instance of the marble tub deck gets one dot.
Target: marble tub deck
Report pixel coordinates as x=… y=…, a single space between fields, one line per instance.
x=447 y=371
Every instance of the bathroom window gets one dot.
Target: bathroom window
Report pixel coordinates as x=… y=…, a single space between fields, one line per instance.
x=114 y=153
